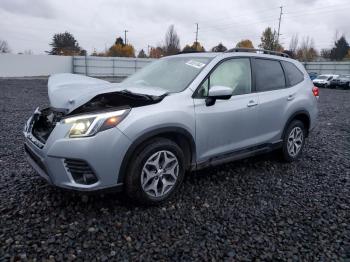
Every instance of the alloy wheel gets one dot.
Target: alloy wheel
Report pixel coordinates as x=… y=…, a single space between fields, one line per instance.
x=295 y=141
x=160 y=173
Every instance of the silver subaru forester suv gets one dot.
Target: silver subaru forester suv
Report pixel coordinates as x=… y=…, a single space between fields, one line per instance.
x=180 y=113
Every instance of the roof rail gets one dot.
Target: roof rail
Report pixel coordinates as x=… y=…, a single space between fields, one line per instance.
x=190 y=52
x=258 y=51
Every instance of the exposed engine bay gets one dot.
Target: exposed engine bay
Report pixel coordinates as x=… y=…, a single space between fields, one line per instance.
x=45 y=121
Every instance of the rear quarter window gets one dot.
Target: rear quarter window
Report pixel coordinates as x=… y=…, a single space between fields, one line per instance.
x=294 y=75
x=268 y=75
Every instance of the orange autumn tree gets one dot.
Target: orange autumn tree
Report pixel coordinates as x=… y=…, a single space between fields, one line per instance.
x=156 y=52
x=246 y=43
x=195 y=47
x=121 y=49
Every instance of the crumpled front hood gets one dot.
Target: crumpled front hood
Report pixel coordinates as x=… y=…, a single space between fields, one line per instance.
x=69 y=91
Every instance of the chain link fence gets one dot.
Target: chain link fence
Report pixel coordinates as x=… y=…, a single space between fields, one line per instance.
x=336 y=68
x=108 y=67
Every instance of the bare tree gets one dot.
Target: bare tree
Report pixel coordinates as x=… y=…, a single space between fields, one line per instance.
x=293 y=45
x=326 y=53
x=4 y=47
x=172 y=42
x=307 y=50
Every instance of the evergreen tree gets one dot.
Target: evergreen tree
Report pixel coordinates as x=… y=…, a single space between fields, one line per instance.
x=219 y=48
x=142 y=54
x=340 y=50
x=64 y=44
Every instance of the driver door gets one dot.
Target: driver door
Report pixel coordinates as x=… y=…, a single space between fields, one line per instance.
x=228 y=125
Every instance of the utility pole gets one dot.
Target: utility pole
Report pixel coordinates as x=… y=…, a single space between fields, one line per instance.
x=196 y=36
x=279 y=24
x=125 y=31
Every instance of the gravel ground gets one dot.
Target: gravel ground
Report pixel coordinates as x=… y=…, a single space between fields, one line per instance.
x=253 y=209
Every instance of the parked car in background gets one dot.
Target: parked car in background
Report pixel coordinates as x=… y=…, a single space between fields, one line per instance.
x=180 y=113
x=323 y=80
x=342 y=81
x=313 y=75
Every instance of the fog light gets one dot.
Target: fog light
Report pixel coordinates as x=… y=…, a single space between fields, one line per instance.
x=81 y=172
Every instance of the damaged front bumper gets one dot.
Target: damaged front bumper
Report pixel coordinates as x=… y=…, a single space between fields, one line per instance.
x=84 y=164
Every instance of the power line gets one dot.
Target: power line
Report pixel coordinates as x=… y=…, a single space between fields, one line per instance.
x=316 y=12
x=239 y=25
x=317 y=9
x=215 y=28
x=286 y=15
x=241 y=14
x=293 y=14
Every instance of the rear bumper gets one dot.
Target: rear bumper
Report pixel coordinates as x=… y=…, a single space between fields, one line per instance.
x=103 y=153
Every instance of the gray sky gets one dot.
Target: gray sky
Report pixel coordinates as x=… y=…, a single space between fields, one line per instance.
x=30 y=24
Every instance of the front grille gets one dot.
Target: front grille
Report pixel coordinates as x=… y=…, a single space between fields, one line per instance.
x=80 y=171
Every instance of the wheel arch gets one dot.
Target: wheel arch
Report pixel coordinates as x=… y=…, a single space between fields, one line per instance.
x=301 y=115
x=179 y=135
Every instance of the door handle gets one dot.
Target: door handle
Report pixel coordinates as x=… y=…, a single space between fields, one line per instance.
x=252 y=103
x=290 y=97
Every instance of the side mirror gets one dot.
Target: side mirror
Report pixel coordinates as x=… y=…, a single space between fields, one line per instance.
x=218 y=92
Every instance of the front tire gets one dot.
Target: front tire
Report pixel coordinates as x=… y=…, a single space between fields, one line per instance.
x=155 y=172
x=293 y=141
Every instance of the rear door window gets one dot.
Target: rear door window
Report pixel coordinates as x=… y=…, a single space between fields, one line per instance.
x=294 y=75
x=269 y=75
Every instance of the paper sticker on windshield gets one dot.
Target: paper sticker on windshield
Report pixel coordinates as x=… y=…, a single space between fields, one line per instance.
x=195 y=64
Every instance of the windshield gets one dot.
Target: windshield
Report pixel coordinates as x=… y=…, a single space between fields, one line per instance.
x=172 y=74
x=322 y=77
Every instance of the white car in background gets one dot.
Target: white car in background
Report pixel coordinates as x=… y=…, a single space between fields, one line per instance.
x=323 y=80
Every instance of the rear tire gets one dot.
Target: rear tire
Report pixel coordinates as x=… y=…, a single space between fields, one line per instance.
x=155 y=172
x=293 y=141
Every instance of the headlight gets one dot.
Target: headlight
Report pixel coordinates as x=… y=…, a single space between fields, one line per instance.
x=89 y=125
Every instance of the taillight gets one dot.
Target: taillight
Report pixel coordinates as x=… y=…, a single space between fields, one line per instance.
x=316 y=91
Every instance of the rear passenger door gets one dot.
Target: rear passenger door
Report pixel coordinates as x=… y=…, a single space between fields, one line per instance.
x=277 y=84
x=271 y=86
